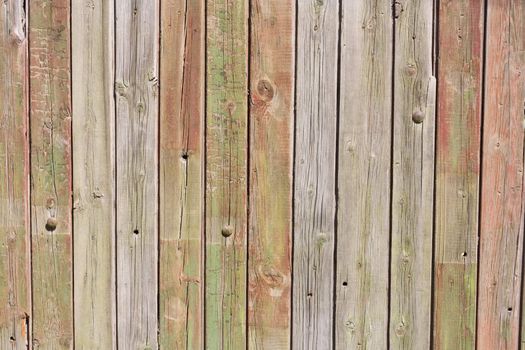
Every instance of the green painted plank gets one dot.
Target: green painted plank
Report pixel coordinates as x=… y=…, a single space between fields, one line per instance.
x=181 y=174
x=51 y=222
x=226 y=174
x=15 y=309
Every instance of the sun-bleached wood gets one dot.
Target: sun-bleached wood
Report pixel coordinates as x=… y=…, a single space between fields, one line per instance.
x=271 y=166
x=137 y=119
x=459 y=44
x=15 y=287
x=363 y=218
x=50 y=131
x=502 y=194
x=315 y=158
x=94 y=173
x=413 y=176
x=181 y=174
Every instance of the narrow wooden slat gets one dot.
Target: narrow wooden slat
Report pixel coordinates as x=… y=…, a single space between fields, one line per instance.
x=364 y=175
x=94 y=173
x=457 y=172
x=271 y=166
x=413 y=176
x=136 y=87
x=51 y=226
x=226 y=174
x=14 y=176
x=181 y=173
x=315 y=207
x=502 y=216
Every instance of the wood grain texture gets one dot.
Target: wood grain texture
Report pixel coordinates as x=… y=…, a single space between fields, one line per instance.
x=94 y=173
x=226 y=174
x=181 y=174
x=137 y=118
x=364 y=175
x=315 y=158
x=271 y=166
x=502 y=216
x=457 y=172
x=15 y=287
x=413 y=176
x=51 y=218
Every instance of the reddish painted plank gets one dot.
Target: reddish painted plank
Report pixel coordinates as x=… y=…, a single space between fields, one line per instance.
x=502 y=215
x=271 y=165
x=50 y=116
x=15 y=287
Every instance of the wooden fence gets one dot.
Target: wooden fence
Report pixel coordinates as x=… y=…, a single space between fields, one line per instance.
x=262 y=174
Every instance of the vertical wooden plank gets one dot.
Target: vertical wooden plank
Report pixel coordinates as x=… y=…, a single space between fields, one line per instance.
x=457 y=172
x=501 y=226
x=315 y=206
x=50 y=115
x=94 y=173
x=226 y=174
x=271 y=166
x=413 y=176
x=181 y=173
x=136 y=86
x=14 y=174
x=364 y=175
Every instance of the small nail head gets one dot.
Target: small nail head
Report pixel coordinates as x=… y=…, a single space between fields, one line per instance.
x=227 y=231
x=51 y=224
x=417 y=117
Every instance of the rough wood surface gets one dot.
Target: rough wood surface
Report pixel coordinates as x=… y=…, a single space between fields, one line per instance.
x=181 y=174
x=457 y=173
x=364 y=175
x=94 y=174
x=51 y=225
x=136 y=88
x=226 y=174
x=15 y=287
x=502 y=216
x=413 y=176
x=271 y=166
x=315 y=158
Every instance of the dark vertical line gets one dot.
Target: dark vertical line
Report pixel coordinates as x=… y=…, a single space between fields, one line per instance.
x=115 y=182
x=435 y=73
x=336 y=189
x=294 y=155
x=391 y=204
x=248 y=169
x=71 y=174
x=159 y=124
x=204 y=171
x=480 y=188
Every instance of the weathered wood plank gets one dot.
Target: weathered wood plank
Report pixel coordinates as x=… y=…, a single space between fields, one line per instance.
x=226 y=174
x=364 y=175
x=136 y=85
x=181 y=173
x=94 y=173
x=315 y=207
x=51 y=226
x=502 y=216
x=457 y=172
x=413 y=176
x=15 y=282
x=271 y=166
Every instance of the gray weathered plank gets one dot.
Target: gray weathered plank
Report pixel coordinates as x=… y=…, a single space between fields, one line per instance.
x=15 y=285
x=315 y=207
x=364 y=175
x=413 y=176
x=94 y=173
x=136 y=85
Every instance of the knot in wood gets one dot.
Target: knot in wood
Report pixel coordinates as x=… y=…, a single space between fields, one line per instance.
x=265 y=90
